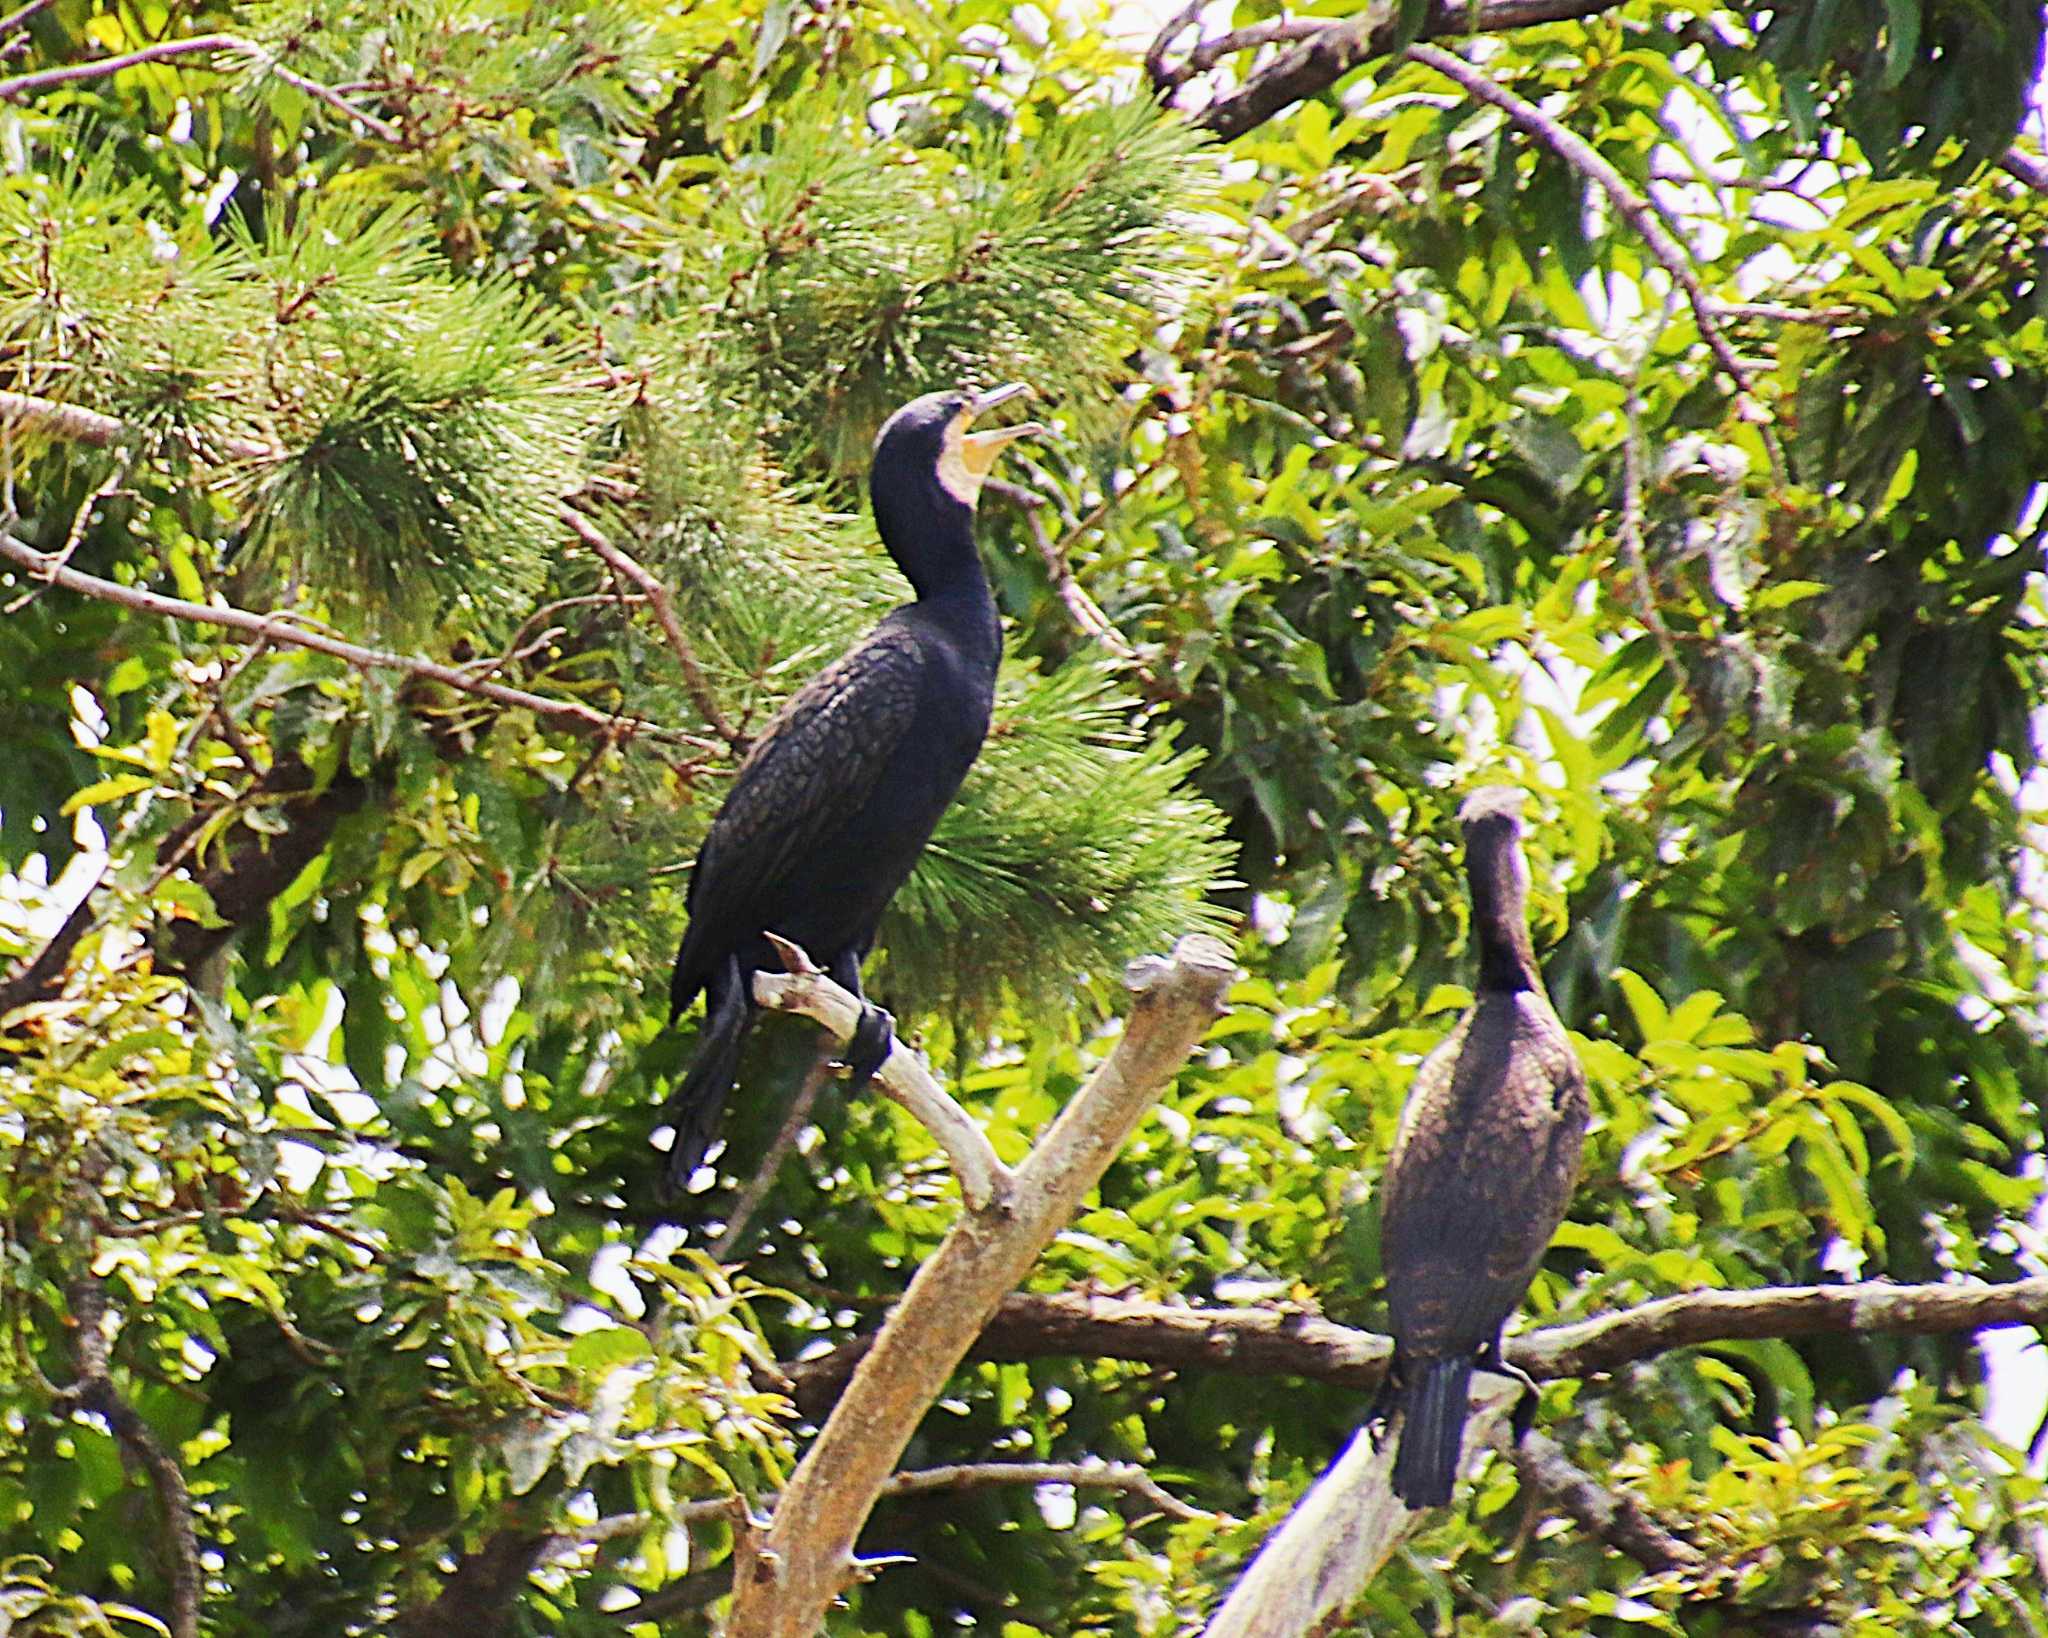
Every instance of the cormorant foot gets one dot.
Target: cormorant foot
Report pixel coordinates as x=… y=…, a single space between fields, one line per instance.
x=872 y=1039
x=1523 y=1417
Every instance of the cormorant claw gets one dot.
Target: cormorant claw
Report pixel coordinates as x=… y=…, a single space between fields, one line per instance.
x=873 y=1037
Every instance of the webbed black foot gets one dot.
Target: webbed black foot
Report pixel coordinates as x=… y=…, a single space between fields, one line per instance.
x=873 y=1037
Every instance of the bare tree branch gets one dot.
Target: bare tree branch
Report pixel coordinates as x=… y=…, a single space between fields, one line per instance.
x=1317 y=63
x=1082 y=609
x=196 y=45
x=19 y=18
x=1637 y=211
x=94 y=1391
x=1612 y=1516
x=283 y=628
x=488 y=1579
x=1257 y=1342
x=984 y=1180
x=1090 y=1475
x=1871 y=1307
x=1623 y=1523
x=1264 y=1342
x=806 y=1557
x=40 y=976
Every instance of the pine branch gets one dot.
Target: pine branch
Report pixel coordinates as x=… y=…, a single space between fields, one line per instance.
x=665 y=612
x=806 y=1557
x=101 y=431
x=279 y=627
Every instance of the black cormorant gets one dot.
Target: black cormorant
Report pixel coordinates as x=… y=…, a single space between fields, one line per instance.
x=836 y=799
x=1482 y=1169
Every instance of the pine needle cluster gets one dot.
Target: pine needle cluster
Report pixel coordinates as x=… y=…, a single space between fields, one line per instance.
x=454 y=67
x=416 y=428
x=427 y=425
x=1073 y=845
x=861 y=273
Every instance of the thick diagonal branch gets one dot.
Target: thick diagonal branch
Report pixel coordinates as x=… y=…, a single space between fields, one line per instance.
x=806 y=1558
x=1339 y=1534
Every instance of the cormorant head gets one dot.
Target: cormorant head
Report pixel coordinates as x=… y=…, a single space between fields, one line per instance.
x=927 y=474
x=1497 y=874
x=1494 y=807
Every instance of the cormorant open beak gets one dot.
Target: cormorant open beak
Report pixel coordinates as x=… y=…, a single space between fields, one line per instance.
x=978 y=450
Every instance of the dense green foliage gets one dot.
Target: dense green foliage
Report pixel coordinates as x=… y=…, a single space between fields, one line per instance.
x=1396 y=462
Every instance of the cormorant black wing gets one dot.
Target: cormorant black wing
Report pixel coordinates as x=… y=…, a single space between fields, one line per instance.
x=821 y=759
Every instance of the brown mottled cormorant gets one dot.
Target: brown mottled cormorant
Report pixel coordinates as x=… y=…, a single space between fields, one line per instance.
x=1482 y=1169
x=838 y=796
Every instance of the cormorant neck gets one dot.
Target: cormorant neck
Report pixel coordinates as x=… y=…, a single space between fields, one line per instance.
x=1499 y=881
x=930 y=533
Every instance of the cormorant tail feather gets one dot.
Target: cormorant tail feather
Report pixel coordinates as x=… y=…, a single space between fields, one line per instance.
x=695 y=1107
x=1433 y=1406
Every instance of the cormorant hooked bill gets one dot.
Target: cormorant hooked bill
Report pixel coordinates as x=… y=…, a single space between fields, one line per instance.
x=1482 y=1168
x=837 y=798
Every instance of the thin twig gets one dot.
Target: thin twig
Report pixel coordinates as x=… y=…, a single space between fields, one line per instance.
x=489 y=1577
x=1125 y=1476
x=94 y=1391
x=664 y=611
x=743 y=1209
x=1772 y=312
x=20 y=17
x=196 y=45
x=75 y=535
x=1638 y=212
x=1082 y=609
x=984 y=1180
